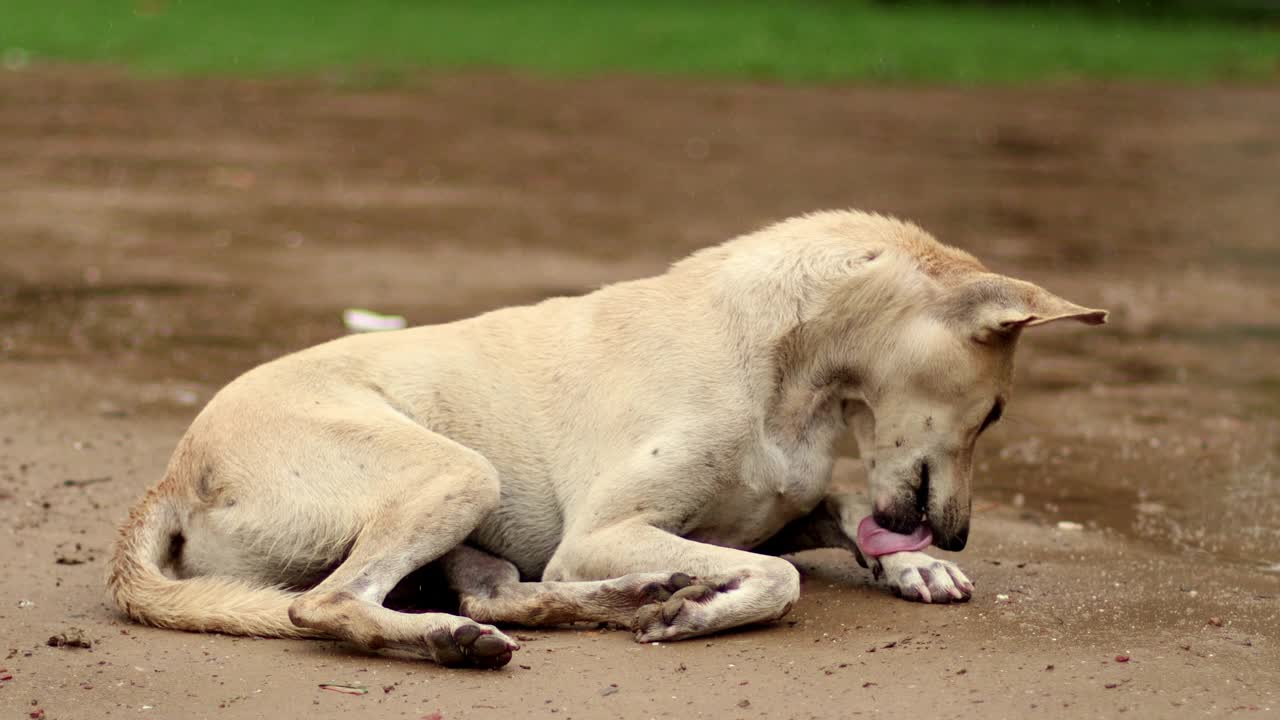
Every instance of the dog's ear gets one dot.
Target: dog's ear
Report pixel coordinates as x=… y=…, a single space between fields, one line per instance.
x=995 y=306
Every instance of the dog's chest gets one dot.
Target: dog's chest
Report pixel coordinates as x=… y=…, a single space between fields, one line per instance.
x=773 y=486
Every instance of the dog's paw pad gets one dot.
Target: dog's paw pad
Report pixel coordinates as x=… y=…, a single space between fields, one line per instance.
x=489 y=651
x=657 y=592
x=472 y=646
x=672 y=607
x=662 y=620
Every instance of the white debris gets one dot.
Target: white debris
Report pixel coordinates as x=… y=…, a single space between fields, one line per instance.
x=15 y=59
x=1068 y=525
x=1002 y=598
x=185 y=397
x=24 y=604
x=360 y=320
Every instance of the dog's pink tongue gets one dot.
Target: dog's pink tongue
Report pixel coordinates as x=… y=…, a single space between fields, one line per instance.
x=875 y=541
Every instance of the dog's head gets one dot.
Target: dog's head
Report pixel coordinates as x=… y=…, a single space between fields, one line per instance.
x=914 y=337
x=944 y=379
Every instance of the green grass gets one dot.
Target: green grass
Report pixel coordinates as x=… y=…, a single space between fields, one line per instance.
x=811 y=41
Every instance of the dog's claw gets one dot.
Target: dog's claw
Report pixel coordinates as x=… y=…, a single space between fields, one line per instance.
x=922 y=591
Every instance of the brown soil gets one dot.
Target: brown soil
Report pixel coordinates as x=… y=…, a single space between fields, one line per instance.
x=160 y=236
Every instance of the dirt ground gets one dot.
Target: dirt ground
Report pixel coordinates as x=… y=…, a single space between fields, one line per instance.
x=160 y=236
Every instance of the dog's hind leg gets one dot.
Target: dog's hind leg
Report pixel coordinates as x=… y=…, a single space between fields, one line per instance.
x=490 y=590
x=440 y=492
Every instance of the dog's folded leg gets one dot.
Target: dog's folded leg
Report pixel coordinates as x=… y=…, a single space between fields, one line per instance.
x=728 y=588
x=420 y=522
x=490 y=590
x=834 y=524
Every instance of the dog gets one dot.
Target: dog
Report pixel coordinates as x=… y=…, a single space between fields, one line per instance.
x=640 y=456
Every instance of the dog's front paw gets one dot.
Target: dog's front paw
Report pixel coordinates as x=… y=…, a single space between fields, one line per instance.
x=676 y=614
x=917 y=576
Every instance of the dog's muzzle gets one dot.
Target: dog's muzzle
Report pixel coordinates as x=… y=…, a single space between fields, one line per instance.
x=954 y=540
x=912 y=507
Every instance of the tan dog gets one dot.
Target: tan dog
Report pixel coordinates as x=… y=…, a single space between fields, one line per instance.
x=627 y=449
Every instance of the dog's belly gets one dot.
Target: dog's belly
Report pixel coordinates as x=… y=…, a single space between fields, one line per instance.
x=748 y=521
x=525 y=529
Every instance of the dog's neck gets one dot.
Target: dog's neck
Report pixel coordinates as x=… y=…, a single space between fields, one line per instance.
x=807 y=340
x=807 y=388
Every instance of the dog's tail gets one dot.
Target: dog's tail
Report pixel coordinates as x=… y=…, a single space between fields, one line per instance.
x=151 y=537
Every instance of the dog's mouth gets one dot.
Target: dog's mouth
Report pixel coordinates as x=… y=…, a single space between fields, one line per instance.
x=952 y=541
x=903 y=523
x=876 y=540
x=899 y=533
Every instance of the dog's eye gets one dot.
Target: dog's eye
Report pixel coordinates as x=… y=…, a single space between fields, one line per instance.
x=993 y=417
